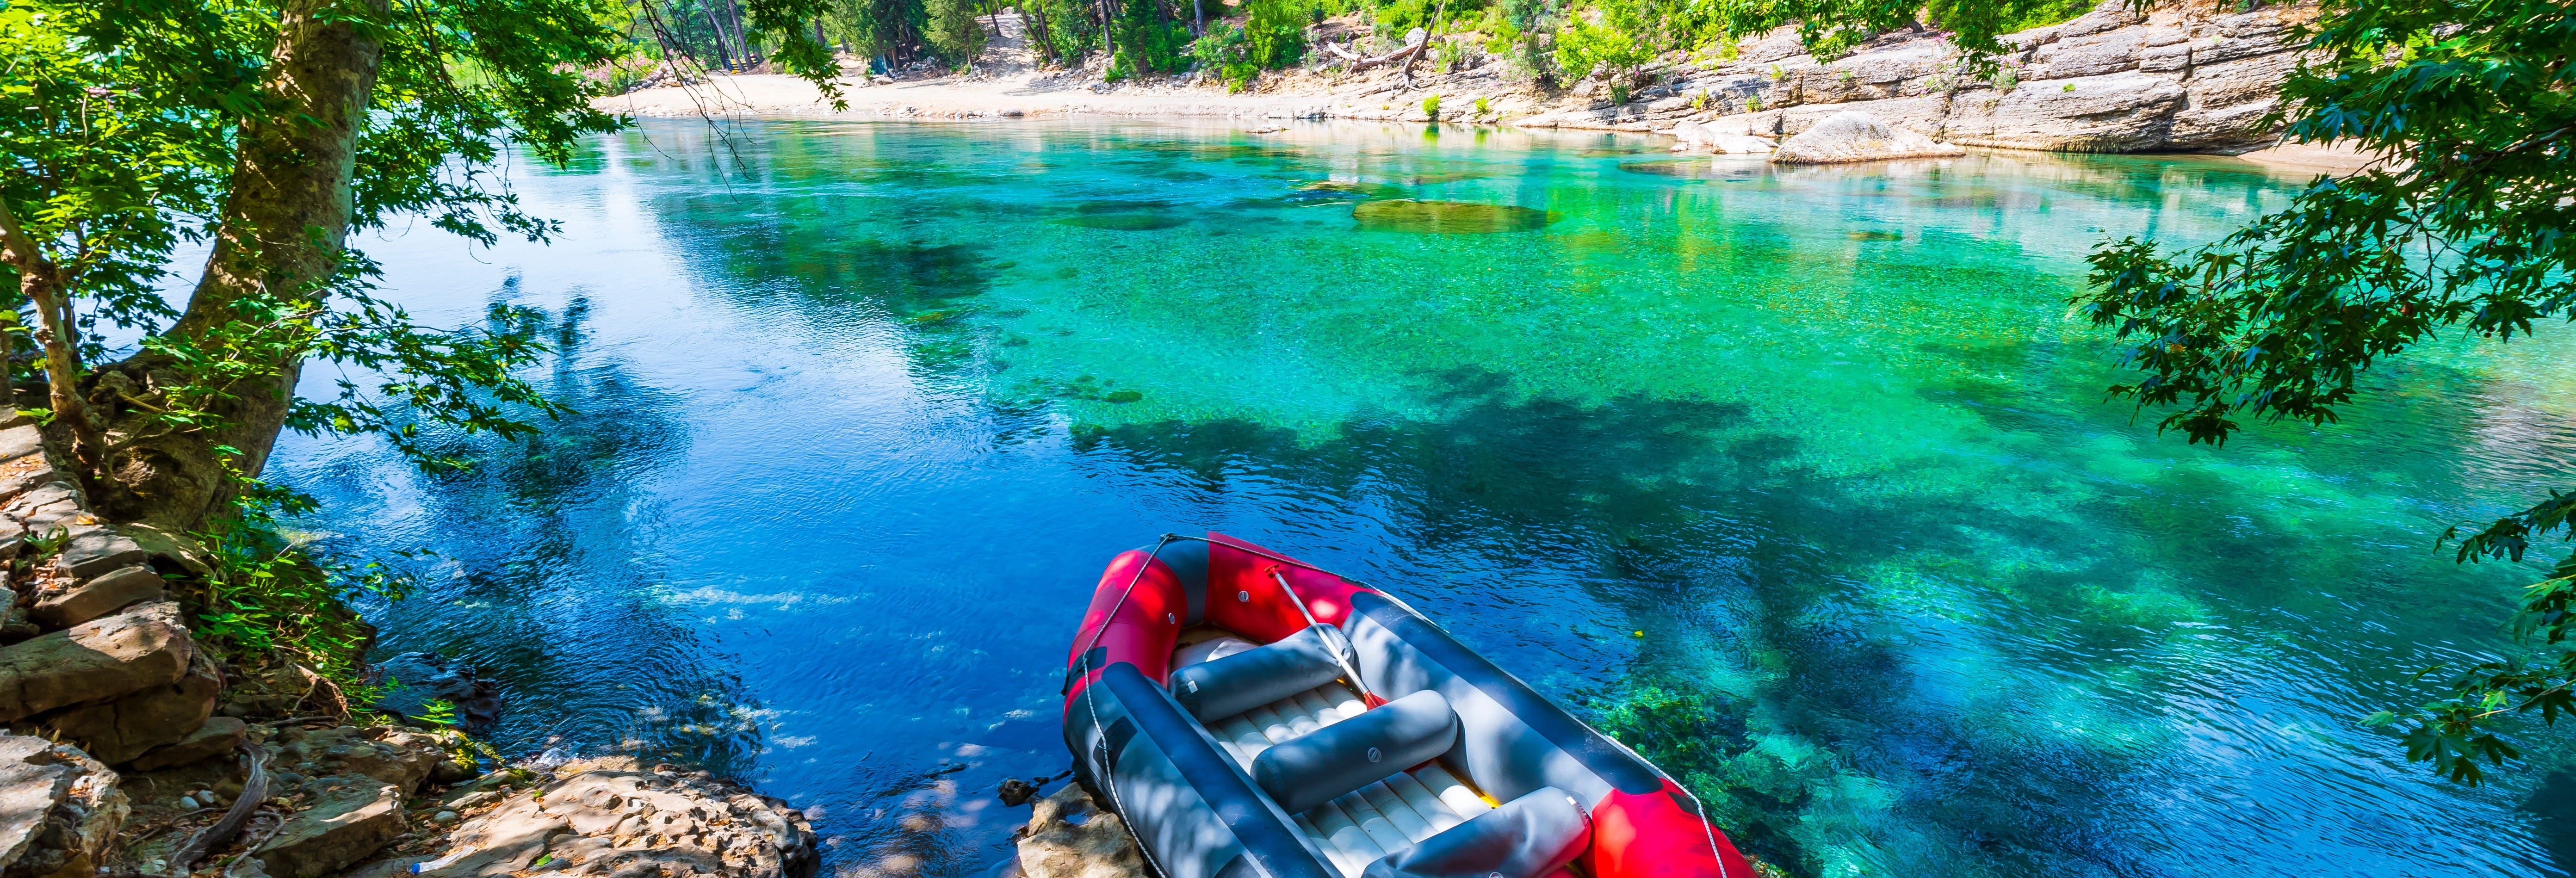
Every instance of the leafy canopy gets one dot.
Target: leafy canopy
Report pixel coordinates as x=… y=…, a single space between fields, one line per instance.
x=120 y=123
x=2463 y=226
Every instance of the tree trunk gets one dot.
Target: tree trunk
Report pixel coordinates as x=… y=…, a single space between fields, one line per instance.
x=741 y=41
x=724 y=52
x=281 y=235
x=41 y=281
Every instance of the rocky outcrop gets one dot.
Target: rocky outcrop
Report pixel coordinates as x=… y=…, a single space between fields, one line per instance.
x=354 y=783
x=1854 y=136
x=59 y=808
x=348 y=819
x=63 y=602
x=1720 y=137
x=215 y=737
x=119 y=730
x=96 y=661
x=2173 y=77
x=609 y=817
x=1070 y=836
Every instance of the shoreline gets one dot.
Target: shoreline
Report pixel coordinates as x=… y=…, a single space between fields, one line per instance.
x=945 y=99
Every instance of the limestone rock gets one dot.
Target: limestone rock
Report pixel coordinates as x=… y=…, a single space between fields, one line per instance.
x=96 y=549
x=389 y=755
x=68 y=602
x=171 y=546
x=58 y=809
x=49 y=506
x=350 y=819
x=2168 y=78
x=1099 y=847
x=608 y=817
x=1709 y=138
x=215 y=737
x=94 y=661
x=117 y=731
x=2119 y=113
x=1856 y=137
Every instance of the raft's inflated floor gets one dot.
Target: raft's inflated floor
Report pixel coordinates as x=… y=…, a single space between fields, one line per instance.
x=1360 y=827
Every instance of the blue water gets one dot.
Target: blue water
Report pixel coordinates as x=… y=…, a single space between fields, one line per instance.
x=863 y=409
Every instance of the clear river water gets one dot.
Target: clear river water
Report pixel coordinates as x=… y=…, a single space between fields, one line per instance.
x=864 y=408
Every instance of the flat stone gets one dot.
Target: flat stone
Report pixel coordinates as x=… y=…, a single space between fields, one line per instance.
x=21 y=441
x=98 y=549
x=95 y=661
x=1055 y=847
x=59 y=809
x=607 y=818
x=77 y=601
x=120 y=730
x=216 y=737
x=351 y=818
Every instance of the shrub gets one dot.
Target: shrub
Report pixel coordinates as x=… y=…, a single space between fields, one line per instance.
x=1227 y=52
x=1275 y=31
x=1753 y=103
x=2007 y=79
x=1611 y=38
x=1482 y=107
x=1431 y=107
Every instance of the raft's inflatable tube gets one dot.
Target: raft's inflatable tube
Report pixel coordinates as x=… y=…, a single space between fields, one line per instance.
x=1223 y=723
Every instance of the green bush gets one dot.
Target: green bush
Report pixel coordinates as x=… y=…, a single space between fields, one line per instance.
x=1431 y=107
x=1276 y=31
x=267 y=599
x=1612 y=37
x=1226 y=52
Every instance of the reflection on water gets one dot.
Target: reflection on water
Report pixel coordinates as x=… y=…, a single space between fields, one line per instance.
x=1806 y=468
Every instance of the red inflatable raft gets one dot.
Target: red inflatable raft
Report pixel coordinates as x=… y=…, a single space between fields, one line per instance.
x=1249 y=715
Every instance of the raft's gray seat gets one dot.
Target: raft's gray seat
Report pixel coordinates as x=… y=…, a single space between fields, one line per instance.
x=1527 y=837
x=1254 y=677
x=1320 y=766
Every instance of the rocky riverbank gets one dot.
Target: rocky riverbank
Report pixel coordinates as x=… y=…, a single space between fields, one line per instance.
x=131 y=748
x=2172 y=78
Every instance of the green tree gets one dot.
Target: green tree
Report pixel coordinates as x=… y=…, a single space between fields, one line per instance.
x=954 y=31
x=271 y=131
x=2460 y=227
x=2463 y=227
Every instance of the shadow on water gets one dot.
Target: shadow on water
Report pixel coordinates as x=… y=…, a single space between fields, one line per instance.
x=536 y=561
x=1703 y=526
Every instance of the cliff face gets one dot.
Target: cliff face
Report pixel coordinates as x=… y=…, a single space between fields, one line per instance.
x=2167 y=80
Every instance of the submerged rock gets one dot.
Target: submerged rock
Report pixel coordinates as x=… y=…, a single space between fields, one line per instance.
x=430 y=677
x=1855 y=136
x=1448 y=217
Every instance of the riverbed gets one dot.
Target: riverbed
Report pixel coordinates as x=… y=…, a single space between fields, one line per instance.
x=863 y=408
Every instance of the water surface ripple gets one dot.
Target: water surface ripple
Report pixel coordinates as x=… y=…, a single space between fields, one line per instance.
x=864 y=407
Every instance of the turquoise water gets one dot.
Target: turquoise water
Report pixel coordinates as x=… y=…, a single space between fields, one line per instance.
x=864 y=408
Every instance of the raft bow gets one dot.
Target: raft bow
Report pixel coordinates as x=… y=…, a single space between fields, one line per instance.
x=1251 y=716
